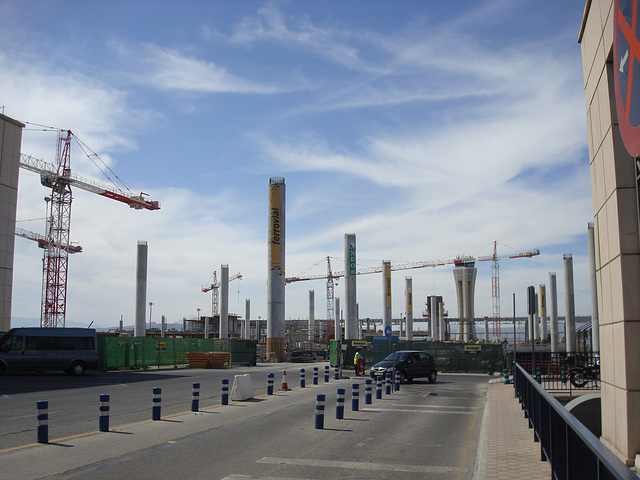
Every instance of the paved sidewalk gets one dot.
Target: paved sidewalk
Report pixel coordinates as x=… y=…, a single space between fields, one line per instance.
x=507 y=449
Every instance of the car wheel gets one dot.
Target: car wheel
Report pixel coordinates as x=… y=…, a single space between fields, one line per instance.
x=433 y=376
x=77 y=368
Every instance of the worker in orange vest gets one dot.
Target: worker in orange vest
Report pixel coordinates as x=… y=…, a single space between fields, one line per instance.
x=359 y=363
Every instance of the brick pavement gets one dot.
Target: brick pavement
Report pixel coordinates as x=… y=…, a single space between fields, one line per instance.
x=507 y=449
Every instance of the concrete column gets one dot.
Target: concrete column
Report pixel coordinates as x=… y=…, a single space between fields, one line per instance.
x=206 y=326
x=595 y=322
x=569 y=304
x=536 y=322
x=312 y=315
x=442 y=323
x=338 y=315
x=486 y=329
x=433 y=313
x=386 y=294
x=408 y=305
x=553 y=312
x=163 y=326
x=543 y=313
x=247 y=319
x=224 y=301
x=275 y=278
x=141 y=290
x=350 y=321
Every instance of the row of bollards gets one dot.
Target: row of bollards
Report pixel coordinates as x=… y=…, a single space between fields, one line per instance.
x=355 y=397
x=156 y=411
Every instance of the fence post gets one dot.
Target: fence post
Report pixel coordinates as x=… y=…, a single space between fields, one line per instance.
x=315 y=375
x=103 y=423
x=355 y=397
x=320 y=411
x=378 y=387
x=195 y=397
x=367 y=391
x=340 y=404
x=43 y=421
x=225 y=391
x=270 y=380
x=156 y=410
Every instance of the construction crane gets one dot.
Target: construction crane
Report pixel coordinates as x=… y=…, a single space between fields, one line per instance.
x=214 y=288
x=43 y=242
x=56 y=242
x=459 y=260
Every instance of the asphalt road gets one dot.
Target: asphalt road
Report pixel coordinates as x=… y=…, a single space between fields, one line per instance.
x=423 y=431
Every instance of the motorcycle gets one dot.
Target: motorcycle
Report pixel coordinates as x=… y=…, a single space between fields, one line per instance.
x=580 y=375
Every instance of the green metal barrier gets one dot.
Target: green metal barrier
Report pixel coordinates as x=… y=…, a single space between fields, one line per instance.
x=136 y=352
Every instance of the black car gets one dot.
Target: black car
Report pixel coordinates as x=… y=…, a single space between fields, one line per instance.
x=410 y=363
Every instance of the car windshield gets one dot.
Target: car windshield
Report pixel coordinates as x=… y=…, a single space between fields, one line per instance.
x=400 y=356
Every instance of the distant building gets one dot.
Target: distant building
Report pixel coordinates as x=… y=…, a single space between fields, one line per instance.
x=10 y=146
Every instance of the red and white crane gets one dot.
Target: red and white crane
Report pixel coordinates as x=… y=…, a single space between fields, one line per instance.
x=56 y=242
x=214 y=288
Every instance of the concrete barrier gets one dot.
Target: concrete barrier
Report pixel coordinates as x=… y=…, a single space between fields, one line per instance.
x=242 y=388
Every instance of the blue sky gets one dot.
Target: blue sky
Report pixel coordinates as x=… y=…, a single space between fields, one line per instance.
x=427 y=128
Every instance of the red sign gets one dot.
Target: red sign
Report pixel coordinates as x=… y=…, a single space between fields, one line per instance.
x=626 y=70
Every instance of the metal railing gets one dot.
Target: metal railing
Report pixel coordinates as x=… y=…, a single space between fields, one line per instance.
x=555 y=371
x=573 y=452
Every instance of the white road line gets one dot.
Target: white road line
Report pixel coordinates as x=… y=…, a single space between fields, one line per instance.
x=31 y=416
x=360 y=465
x=427 y=405
x=446 y=412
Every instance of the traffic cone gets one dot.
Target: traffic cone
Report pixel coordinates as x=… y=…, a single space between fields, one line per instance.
x=284 y=381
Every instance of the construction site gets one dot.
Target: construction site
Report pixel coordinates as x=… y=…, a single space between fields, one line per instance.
x=276 y=338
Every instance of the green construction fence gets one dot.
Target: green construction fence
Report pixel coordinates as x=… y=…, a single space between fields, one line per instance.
x=116 y=352
x=450 y=357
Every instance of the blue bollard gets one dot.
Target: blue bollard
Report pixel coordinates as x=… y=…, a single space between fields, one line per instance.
x=270 y=380
x=195 y=397
x=355 y=397
x=340 y=404
x=387 y=384
x=225 y=391
x=156 y=410
x=320 y=411
x=103 y=423
x=397 y=381
x=302 y=378
x=43 y=421
x=326 y=373
x=315 y=375
x=367 y=391
x=336 y=372
x=378 y=387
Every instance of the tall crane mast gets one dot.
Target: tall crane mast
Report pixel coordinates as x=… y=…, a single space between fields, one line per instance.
x=214 y=288
x=56 y=242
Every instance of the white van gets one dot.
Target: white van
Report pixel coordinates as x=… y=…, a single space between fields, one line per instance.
x=73 y=350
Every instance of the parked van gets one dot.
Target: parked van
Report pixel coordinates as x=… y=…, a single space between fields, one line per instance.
x=35 y=348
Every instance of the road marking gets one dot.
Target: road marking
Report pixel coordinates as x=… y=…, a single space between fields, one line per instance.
x=360 y=465
x=426 y=410
x=427 y=405
x=241 y=477
x=31 y=416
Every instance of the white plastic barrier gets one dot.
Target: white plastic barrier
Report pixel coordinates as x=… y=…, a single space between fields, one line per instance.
x=242 y=388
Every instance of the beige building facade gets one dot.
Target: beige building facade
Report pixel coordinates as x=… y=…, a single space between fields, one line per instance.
x=10 y=145
x=617 y=241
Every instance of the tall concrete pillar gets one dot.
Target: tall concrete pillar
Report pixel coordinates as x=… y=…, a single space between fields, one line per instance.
x=247 y=319
x=433 y=313
x=553 y=312
x=141 y=290
x=465 y=277
x=338 y=315
x=442 y=323
x=569 y=304
x=595 y=322
x=163 y=326
x=275 y=279
x=408 y=305
x=350 y=320
x=536 y=322
x=543 y=313
x=10 y=147
x=224 y=301
x=386 y=294
x=312 y=306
